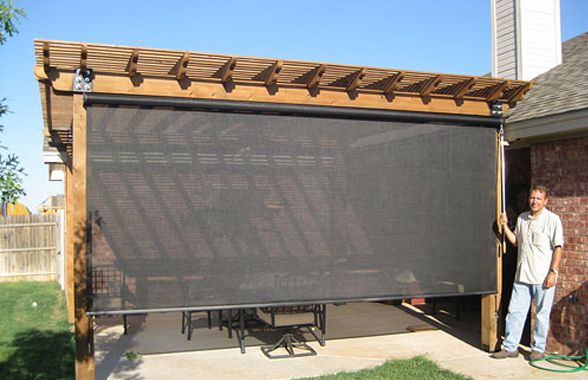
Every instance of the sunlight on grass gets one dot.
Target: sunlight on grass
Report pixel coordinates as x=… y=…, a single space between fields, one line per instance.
x=35 y=337
x=416 y=368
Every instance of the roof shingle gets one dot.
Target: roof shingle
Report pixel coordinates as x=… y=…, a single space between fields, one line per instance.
x=561 y=89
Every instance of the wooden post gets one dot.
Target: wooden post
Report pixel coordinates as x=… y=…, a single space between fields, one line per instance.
x=83 y=323
x=69 y=243
x=491 y=302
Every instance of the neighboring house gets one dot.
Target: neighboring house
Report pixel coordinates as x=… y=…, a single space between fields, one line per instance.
x=52 y=204
x=548 y=134
x=13 y=209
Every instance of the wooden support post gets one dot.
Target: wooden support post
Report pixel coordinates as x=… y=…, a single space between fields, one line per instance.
x=491 y=302
x=69 y=243
x=83 y=323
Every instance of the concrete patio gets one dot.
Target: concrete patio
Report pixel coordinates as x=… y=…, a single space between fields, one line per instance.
x=449 y=343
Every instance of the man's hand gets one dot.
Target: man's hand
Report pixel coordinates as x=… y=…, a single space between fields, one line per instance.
x=503 y=223
x=503 y=220
x=550 y=280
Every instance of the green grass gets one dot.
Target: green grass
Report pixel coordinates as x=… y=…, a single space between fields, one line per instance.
x=35 y=342
x=418 y=367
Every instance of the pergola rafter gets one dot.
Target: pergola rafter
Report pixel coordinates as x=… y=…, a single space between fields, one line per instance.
x=156 y=72
x=177 y=65
x=133 y=63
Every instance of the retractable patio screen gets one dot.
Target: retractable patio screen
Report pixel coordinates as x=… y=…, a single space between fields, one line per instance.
x=192 y=208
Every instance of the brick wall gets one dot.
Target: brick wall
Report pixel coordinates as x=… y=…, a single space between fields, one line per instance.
x=562 y=166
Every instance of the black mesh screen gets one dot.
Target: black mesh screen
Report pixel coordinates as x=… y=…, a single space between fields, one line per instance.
x=195 y=208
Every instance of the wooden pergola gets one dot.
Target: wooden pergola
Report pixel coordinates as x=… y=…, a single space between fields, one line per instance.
x=124 y=70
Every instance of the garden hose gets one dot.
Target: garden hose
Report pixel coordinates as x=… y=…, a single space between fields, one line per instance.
x=558 y=360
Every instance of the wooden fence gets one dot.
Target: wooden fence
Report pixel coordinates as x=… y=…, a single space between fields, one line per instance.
x=29 y=247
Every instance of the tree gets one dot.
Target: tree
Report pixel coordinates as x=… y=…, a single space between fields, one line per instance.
x=11 y=173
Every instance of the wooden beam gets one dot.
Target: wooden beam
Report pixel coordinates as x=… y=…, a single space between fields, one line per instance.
x=430 y=85
x=85 y=366
x=46 y=57
x=316 y=76
x=84 y=57
x=393 y=82
x=518 y=94
x=180 y=69
x=69 y=244
x=463 y=87
x=274 y=73
x=133 y=63
x=227 y=70
x=355 y=80
x=497 y=91
x=157 y=86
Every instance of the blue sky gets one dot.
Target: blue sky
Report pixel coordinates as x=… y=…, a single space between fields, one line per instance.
x=449 y=36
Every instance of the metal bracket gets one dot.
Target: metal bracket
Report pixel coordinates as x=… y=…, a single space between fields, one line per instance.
x=496 y=108
x=82 y=81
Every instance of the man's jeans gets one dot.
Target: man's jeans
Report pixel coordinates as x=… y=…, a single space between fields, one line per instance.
x=518 y=309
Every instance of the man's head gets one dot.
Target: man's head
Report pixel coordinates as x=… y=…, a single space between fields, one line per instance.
x=537 y=199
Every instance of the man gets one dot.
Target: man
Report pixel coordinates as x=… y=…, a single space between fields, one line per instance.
x=539 y=237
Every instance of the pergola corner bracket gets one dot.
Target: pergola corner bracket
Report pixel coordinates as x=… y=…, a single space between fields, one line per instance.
x=82 y=80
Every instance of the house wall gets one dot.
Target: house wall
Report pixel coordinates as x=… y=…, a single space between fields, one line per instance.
x=562 y=166
x=526 y=37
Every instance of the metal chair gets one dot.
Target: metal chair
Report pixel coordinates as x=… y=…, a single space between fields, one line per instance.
x=187 y=318
x=290 y=318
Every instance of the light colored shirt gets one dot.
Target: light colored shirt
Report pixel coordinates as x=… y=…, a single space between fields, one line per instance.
x=537 y=238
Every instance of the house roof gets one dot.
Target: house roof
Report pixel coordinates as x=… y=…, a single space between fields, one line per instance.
x=561 y=89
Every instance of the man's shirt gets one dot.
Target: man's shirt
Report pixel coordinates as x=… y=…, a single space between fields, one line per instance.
x=537 y=238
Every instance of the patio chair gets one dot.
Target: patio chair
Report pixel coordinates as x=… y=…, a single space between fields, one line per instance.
x=188 y=317
x=291 y=318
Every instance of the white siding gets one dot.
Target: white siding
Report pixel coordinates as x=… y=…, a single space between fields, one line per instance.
x=504 y=39
x=540 y=37
x=526 y=37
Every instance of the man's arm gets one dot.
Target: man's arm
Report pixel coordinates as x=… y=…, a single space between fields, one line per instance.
x=509 y=234
x=553 y=268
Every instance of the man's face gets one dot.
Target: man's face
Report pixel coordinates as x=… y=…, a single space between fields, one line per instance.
x=537 y=201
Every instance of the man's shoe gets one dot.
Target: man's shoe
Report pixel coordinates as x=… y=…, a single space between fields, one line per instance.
x=536 y=355
x=503 y=354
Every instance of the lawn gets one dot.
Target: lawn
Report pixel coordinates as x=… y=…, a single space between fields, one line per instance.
x=416 y=368
x=36 y=342
x=35 y=338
